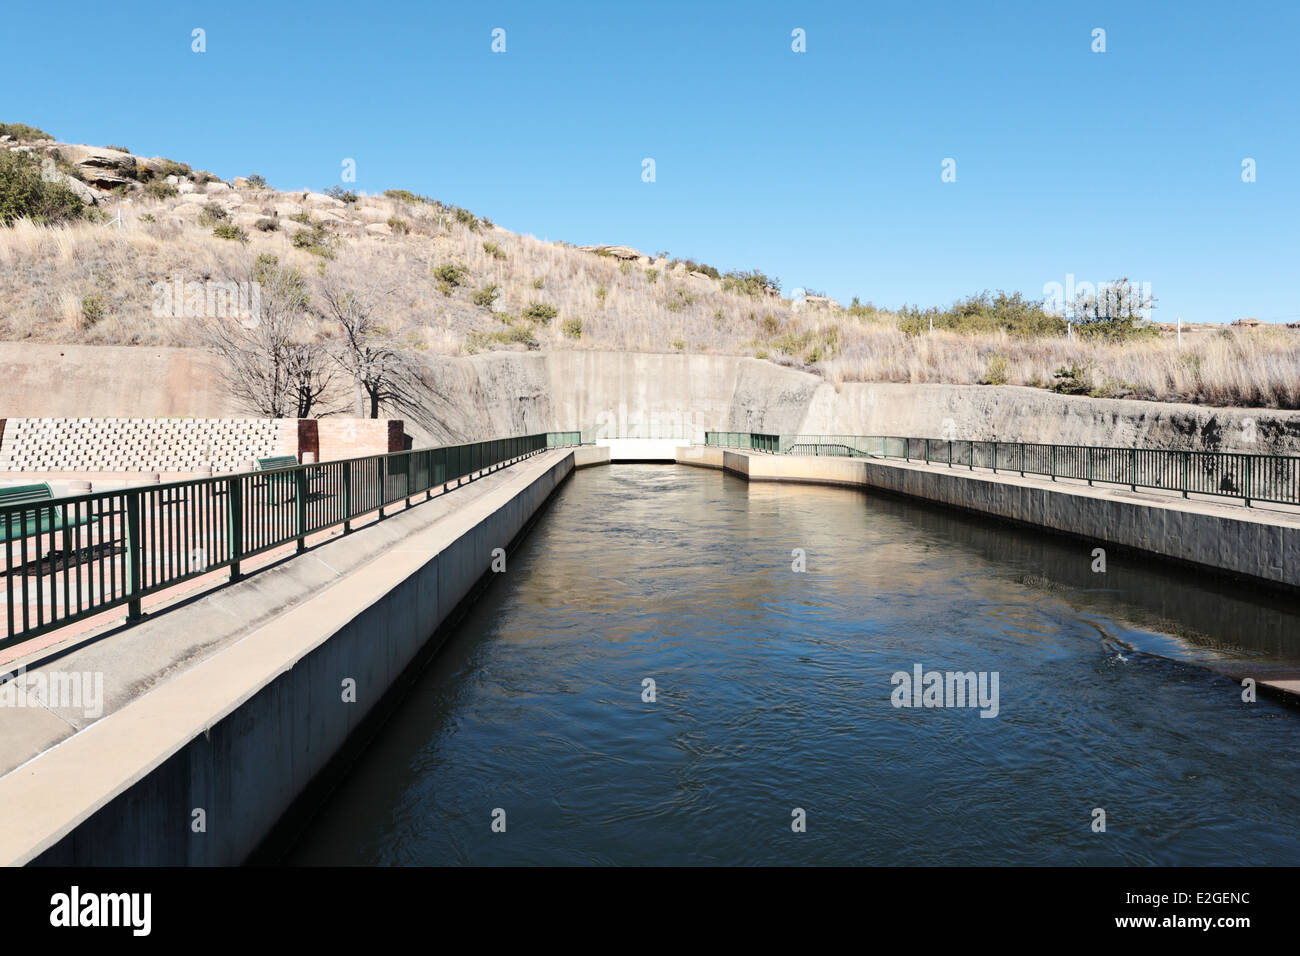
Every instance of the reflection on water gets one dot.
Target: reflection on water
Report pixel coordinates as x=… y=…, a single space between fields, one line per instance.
x=773 y=693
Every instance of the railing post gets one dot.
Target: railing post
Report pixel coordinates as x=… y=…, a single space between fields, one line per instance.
x=949 y=452
x=1022 y=459
x=1089 y=464
x=1187 y=457
x=1051 y=467
x=300 y=505
x=347 y=497
x=382 y=488
x=134 y=555
x=1248 y=475
x=235 y=525
x=995 y=457
x=1133 y=469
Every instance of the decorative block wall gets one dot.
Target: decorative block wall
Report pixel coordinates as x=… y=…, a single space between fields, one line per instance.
x=96 y=445
x=142 y=444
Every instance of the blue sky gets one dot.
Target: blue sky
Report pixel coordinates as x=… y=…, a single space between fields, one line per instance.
x=822 y=168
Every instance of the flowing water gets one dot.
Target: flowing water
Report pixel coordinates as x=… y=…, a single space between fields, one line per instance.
x=775 y=690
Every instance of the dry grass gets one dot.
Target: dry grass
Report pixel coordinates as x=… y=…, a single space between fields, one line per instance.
x=1257 y=368
x=46 y=273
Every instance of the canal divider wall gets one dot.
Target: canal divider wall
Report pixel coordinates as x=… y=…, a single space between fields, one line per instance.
x=1258 y=546
x=218 y=717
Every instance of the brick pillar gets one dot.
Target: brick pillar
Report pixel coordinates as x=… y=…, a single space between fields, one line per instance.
x=308 y=438
x=397 y=435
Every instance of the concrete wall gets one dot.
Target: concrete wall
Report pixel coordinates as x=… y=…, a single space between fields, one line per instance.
x=511 y=393
x=339 y=438
x=1260 y=547
x=241 y=733
x=110 y=381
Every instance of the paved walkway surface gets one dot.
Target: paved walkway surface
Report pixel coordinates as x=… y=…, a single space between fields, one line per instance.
x=1267 y=512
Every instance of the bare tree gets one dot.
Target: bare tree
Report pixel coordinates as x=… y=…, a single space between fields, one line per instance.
x=273 y=363
x=381 y=362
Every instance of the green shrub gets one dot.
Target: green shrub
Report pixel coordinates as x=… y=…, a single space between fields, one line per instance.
x=398 y=226
x=228 y=230
x=148 y=217
x=679 y=344
x=652 y=275
x=538 y=283
x=266 y=224
x=753 y=283
x=22 y=132
x=268 y=271
x=465 y=218
x=495 y=251
x=172 y=168
x=160 y=189
x=24 y=194
x=572 y=328
x=521 y=334
x=998 y=371
x=92 y=308
x=314 y=240
x=985 y=312
x=1074 y=379
x=451 y=275
x=257 y=182
x=341 y=194
x=405 y=195
x=120 y=149
x=541 y=312
x=213 y=214
x=601 y=292
x=486 y=296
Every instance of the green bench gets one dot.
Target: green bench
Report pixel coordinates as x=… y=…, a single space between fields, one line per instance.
x=38 y=520
x=281 y=464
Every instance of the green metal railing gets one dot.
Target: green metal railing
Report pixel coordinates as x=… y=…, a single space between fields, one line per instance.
x=70 y=558
x=751 y=441
x=1240 y=475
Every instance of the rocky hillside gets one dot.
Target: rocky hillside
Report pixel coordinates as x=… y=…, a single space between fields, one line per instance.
x=448 y=282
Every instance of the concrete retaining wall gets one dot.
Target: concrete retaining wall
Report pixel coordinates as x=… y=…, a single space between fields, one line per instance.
x=1257 y=546
x=614 y=394
x=240 y=734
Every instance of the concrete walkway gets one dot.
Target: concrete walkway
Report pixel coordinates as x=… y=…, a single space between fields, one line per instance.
x=174 y=678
